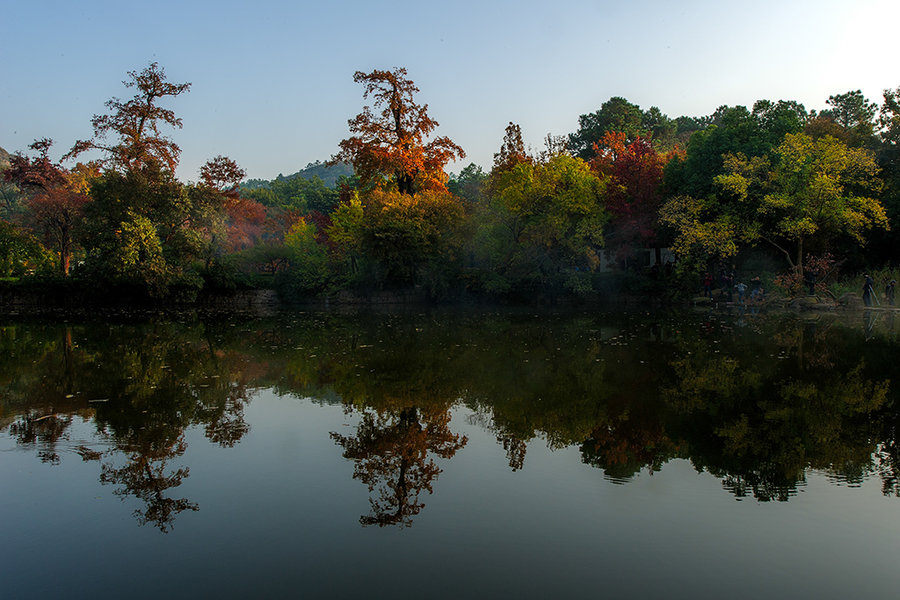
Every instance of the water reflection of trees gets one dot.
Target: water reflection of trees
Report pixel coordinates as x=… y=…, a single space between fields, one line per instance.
x=757 y=406
x=393 y=453
x=760 y=415
x=142 y=386
x=146 y=475
x=755 y=401
x=42 y=432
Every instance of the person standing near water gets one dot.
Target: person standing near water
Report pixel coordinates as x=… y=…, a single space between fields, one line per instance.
x=810 y=277
x=889 y=292
x=741 y=290
x=868 y=290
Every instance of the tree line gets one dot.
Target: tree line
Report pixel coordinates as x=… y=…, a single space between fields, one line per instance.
x=775 y=185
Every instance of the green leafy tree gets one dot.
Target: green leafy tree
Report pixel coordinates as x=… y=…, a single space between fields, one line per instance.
x=777 y=119
x=733 y=130
x=414 y=238
x=855 y=113
x=889 y=161
x=659 y=128
x=138 y=255
x=20 y=252
x=544 y=225
x=819 y=190
x=142 y=214
x=619 y=115
x=346 y=235
x=9 y=192
x=616 y=114
x=299 y=193
x=307 y=271
x=469 y=185
x=702 y=233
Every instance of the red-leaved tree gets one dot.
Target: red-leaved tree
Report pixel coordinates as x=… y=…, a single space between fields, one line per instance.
x=56 y=214
x=55 y=198
x=635 y=171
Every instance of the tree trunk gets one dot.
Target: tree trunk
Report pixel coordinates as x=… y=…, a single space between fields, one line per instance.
x=405 y=184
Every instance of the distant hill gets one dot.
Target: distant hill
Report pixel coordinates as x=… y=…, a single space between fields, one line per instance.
x=328 y=174
x=4 y=158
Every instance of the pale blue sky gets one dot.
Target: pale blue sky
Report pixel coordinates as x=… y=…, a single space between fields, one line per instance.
x=272 y=81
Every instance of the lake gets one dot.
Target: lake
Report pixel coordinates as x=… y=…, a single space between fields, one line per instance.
x=451 y=454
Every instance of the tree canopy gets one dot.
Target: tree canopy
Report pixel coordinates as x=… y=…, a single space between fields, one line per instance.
x=136 y=124
x=390 y=141
x=611 y=196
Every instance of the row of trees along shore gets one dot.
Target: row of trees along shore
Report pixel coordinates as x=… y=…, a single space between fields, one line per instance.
x=773 y=187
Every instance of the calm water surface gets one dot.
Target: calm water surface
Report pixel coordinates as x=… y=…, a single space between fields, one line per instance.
x=451 y=455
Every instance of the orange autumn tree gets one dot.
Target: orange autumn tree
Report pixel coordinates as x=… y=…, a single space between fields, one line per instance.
x=135 y=124
x=390 y=141
x=412 y=225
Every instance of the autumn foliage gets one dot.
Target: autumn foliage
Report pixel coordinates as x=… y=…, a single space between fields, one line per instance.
x=56 y=213
x=512 y=151
x=55 y=198
x=135 y=125
x=635 y=172
x=545 y=221
x=390 y=141
x=37 y=173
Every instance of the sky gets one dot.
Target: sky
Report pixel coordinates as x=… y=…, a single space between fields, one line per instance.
x=272 y=82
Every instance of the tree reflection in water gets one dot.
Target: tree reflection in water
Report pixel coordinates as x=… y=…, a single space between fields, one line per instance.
x=41 y=432
x=145 y=477
x=757 y=401
x=391 y=454
x=142 y=386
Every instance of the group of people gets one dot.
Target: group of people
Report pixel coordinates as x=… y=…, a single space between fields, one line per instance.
x=869 y=291
x=728 y=287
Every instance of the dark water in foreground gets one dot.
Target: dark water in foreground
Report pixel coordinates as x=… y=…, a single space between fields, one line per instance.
x=450 y=456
